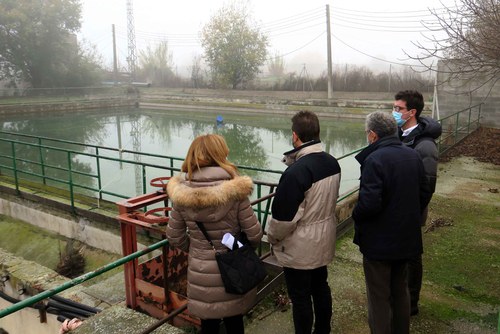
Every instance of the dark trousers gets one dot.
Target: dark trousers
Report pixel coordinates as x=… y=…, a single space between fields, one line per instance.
x=388 y=298
x=308 y=288
x=232 y=324
x=415 y=273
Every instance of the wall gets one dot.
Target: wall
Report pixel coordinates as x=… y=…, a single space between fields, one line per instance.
x=22 y=279
x=77 y=228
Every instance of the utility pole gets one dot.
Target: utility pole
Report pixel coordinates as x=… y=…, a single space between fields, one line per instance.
x=131 y=40
x=390 y=77
x=345 y=78
x=329 y=51
x=435 y=102
x=115 y=60
x=303 y=74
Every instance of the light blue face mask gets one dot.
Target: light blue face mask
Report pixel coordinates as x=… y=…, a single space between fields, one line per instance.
x=399 y=118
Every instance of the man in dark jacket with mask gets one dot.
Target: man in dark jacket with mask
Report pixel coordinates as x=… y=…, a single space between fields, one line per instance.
x=418 y=133
x=392 y=196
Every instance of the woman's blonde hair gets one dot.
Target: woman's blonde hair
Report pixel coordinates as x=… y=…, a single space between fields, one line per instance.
x=208 y=150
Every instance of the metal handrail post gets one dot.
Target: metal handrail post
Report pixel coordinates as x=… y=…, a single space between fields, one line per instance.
x=14 y=166
x=42 y=165
x=80 y=279
x=70 y=177
x=143 y=179
x=98 y=166
x=479 y=115
x=268 y=207
x=259 y=206
x=439 y=141
x=456 y=129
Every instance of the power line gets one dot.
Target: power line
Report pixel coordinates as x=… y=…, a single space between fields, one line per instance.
x=444 y=9
x=292 y=18
x=395 y=29
x=391 y=19
x=300 y=48
x=298 y=29
x=396 y=22
x=373 y=57
x=305 y=20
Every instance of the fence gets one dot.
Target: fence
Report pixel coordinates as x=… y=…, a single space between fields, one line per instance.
x=90 y=171
x=457 y=126
x=77 y=169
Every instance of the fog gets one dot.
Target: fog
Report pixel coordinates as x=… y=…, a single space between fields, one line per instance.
x=376 y=34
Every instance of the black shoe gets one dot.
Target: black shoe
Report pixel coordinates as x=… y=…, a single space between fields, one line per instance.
x=414 y=311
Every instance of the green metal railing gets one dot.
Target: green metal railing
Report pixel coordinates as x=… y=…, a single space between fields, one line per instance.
x=37 y=168
x=457 y=126
x=80 y=279
x=14 y=163
x=67 y=176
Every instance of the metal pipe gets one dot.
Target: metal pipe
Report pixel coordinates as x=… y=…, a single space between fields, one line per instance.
x=164 y=320
x=80 y=279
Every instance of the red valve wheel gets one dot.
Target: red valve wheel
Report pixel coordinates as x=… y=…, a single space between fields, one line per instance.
x=150 y=217
x=159 y=182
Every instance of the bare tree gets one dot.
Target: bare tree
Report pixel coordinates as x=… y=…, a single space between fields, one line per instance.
x=156 y=64
x=196 y=72
x=470 y=51
x=276 y=65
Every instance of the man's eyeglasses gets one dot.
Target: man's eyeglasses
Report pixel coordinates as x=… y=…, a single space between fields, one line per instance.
x=398 y=108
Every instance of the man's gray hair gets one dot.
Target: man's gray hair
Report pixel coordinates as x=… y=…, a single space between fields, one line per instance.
x=382 y=123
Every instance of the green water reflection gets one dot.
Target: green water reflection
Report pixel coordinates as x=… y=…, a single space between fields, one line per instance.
x=254 y=140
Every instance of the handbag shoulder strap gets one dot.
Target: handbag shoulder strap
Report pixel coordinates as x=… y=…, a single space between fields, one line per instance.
x=204 y=231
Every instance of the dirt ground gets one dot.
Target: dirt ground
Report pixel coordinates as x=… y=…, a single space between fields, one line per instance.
x=483 y=144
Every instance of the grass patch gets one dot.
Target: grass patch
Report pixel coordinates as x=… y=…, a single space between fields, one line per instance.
x=462 y=262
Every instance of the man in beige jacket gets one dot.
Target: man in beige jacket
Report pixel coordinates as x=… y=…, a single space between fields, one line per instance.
x=303 y=225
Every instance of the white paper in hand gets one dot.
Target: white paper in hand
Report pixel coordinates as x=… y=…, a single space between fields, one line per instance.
x=228 y=241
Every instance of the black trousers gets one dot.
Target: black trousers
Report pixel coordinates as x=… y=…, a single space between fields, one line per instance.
x=388 y=297
x=415 y=273
x=232 y=324
x=308 y=288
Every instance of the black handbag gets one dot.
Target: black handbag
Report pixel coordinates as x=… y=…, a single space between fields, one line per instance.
x=241 y=268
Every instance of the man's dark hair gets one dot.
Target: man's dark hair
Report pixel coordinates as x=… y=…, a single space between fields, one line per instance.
x=413 y=99
x=306 y=125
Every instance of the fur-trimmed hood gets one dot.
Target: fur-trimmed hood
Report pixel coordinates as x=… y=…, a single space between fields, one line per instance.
x=210 y=187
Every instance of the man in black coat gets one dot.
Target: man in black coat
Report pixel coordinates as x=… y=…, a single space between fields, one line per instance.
x=420 y=134
x=392 y=196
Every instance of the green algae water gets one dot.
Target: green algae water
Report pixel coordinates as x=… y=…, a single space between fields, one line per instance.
x=254 y=140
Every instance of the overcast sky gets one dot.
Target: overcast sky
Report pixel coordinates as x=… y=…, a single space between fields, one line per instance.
x=364 y=32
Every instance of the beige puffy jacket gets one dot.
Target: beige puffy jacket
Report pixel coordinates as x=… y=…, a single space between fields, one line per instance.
x=222 y=205
x=302 y=230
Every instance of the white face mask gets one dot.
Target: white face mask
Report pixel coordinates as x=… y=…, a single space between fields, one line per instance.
x=368 y=137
